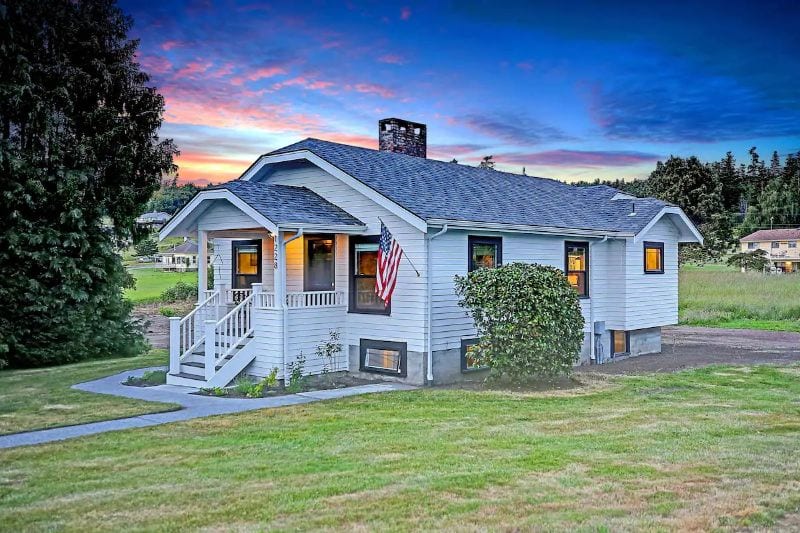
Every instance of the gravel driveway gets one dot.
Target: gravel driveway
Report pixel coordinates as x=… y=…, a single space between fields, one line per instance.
x=690 y=347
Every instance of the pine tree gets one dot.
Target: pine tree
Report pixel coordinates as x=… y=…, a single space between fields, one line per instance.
x=79 y=157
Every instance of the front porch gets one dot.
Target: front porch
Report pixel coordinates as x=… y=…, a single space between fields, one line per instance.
x=279 y=288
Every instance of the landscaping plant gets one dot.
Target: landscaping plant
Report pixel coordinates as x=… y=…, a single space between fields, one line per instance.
x=528 y=319
x=79 y=158
x=179 y=292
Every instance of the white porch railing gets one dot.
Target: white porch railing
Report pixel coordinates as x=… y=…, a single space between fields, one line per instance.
x=186 y=333
x=301 y=300
x=315 y=299
x=236 y=296
x=226 y=334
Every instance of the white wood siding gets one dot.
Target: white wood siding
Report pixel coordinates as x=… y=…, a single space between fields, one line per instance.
x=268 y=342
x=608 y=282
x=450 y=323
x=308 y=328
x=223 y=259
x=407 y=321
x=651 y=300
x=224 y=215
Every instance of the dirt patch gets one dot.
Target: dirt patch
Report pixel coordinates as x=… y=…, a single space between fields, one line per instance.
x=692 y=347
x=157 y=324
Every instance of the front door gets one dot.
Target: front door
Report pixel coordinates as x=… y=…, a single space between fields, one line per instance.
x=246 y=264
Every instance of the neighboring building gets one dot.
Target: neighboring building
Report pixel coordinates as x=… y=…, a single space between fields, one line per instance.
x=181 y=257
x=296 y=239
x=780 y=245
x=153 y=219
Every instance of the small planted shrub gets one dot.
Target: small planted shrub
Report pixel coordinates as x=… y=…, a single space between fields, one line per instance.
x=167 y=311
x=329 y=350
x=297 y=379
x=151 y=378
x=528 y=318
x=244 y=385
x=180 y=292
x=214 y=391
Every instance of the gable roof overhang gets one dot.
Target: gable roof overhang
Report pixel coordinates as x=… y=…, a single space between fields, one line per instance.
x=338 y=173
x=525 y=228
x=688 y=231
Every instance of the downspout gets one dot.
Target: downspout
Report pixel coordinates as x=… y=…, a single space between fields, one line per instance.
x=429 y=302
x=284 y=306
x=592 y=355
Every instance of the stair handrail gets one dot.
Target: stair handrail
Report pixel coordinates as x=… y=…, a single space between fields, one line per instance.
x=222 y=342
x=186 y=333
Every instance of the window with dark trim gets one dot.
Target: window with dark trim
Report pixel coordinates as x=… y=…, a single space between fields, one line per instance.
x=752 y=245
x=469 y=363
x=383 y=357
x=484 y=252
x=363 y=275
x=776 y=244
x=318 y=268
x=792 y=244
x=620 y=342
x=576 y=266
x=653 y=257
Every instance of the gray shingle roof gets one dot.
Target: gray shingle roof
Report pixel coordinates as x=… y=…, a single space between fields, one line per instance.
x=283 y=204
x=187 y=247
x=438 y=190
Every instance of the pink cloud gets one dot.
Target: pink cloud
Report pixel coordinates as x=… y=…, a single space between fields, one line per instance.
x=155 y=64
x=392 y=59
x=354 y=139
x=302 y=81
x=525 y=65
x=374 y=88
x=193 y=68
x=169 y=45
x=405 y=13
x=259 y=74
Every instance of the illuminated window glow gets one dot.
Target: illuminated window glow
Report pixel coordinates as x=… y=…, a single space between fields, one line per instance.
x=577 y=266
x=654 y=257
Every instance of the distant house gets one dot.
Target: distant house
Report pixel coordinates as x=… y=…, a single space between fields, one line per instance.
x=153 y=219
x=780 y=245
x=181 y=257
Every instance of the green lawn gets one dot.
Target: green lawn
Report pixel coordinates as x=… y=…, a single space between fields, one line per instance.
x=728 y=298
x=150 y=283
x=702 y=449
x=41 y=398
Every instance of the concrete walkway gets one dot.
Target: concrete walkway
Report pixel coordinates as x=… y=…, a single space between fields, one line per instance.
x=193 y=406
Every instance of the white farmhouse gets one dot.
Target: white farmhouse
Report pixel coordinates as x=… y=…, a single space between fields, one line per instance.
x=295 y=245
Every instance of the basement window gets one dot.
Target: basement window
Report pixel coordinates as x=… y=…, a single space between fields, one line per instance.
x=620 y=342
x=653 y=257
x=383 y=357
x=468 y=361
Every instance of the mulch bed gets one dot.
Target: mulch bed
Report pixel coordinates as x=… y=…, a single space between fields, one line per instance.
x=338 y=380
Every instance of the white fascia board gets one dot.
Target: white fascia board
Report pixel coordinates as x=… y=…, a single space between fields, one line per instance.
x=677 y=211
x=524 y=228
x=216 y=194
x=346 y=178
x=324 y=228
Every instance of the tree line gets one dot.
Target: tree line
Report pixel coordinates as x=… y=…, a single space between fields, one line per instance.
x=725 y=199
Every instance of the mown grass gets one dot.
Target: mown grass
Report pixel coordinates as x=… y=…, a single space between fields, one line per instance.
x=739 y=300
x=150 y=283
x=42 y=398
x=703 y=449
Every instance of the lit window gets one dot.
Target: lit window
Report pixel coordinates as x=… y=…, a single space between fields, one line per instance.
x=383 y=357
x=752 y=245
x=247 y=260
x=468 y=360
x=620 y=342
x=577 y=266
x=363 y=276
x=653 y=257
x=485 y=252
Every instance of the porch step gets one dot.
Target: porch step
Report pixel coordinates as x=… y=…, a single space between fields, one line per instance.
x=193 y=377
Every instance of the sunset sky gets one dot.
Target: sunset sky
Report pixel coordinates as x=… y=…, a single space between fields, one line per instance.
x=572 y=93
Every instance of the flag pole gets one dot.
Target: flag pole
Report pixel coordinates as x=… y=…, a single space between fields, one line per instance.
x=404 y=254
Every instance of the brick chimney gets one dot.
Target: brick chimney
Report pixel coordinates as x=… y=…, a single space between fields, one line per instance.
x=403 y=136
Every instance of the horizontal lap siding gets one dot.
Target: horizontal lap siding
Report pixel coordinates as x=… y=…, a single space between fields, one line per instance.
x=450 y=322
x=224 y=215
x=608 y=282
x=652 y=299
x=268 y=340
x=407 y=321
x=309 y=328
x=223 y=260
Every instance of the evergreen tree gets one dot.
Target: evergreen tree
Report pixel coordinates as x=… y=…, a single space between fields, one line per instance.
x=79 y=157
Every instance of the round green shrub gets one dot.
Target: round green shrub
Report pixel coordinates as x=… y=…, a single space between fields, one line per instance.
x=179 y=292
x=528 y=318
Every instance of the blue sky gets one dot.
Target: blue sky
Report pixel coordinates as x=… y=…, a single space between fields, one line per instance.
x=572 y=93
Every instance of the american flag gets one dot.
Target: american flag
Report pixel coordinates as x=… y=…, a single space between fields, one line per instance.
x=389 y=254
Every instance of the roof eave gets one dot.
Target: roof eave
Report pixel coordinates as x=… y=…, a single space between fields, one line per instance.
x=526 y=228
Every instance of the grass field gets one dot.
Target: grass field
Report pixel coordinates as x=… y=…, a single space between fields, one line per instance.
x=710 y=448
x=41 y=398
x=150 y=283
x=728 y=298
